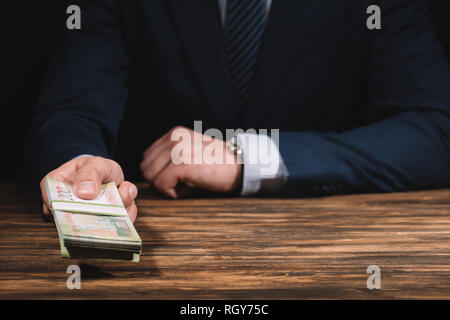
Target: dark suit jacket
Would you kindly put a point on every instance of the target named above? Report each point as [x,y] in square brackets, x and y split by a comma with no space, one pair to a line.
[358,110]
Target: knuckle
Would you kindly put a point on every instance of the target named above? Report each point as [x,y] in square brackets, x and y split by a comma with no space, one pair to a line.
[177,128]
[95,159]
[159,183]
[115,167]
[151,173]
[177,131]
[126,184]
[113,163]
[87,172]
[110,165]
[173,143]
[99,162]
[148,175]
[92,162]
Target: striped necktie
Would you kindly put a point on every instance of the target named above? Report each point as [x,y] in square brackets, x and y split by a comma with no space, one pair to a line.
[245,23]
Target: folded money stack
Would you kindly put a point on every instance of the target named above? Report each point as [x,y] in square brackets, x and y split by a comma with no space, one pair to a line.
[93,229]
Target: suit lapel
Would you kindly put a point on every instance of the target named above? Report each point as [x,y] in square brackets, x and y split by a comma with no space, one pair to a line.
[287,26]
[199,25]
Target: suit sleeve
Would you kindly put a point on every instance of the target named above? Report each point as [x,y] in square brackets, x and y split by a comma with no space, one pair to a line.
[84,95]
[407,145]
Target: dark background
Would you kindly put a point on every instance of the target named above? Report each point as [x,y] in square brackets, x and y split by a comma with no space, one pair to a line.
[30,33]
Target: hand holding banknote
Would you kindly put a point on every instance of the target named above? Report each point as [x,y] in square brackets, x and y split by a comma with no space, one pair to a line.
[92,229]
[87,174]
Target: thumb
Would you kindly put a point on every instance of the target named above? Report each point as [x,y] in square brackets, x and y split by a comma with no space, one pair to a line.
[92,174]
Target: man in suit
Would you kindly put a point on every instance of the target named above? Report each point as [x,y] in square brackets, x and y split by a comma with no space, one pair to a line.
[358,110]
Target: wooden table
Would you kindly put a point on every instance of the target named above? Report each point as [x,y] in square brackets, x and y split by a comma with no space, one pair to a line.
[243,249]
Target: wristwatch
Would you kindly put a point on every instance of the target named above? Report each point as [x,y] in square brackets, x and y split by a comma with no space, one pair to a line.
[235,147]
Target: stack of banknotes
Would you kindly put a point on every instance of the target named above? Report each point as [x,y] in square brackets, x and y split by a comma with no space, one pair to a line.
[93,229]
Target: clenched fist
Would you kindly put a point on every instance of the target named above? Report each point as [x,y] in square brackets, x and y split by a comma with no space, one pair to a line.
[173,167]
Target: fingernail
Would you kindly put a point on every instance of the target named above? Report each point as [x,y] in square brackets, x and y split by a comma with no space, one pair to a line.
[132,191]
[86,187]
[172,193]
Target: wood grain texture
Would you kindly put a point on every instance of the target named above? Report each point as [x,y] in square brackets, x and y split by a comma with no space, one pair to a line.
[243,249]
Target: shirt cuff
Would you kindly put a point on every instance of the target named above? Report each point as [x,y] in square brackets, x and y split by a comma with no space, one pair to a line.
[83,156]
[264,171]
